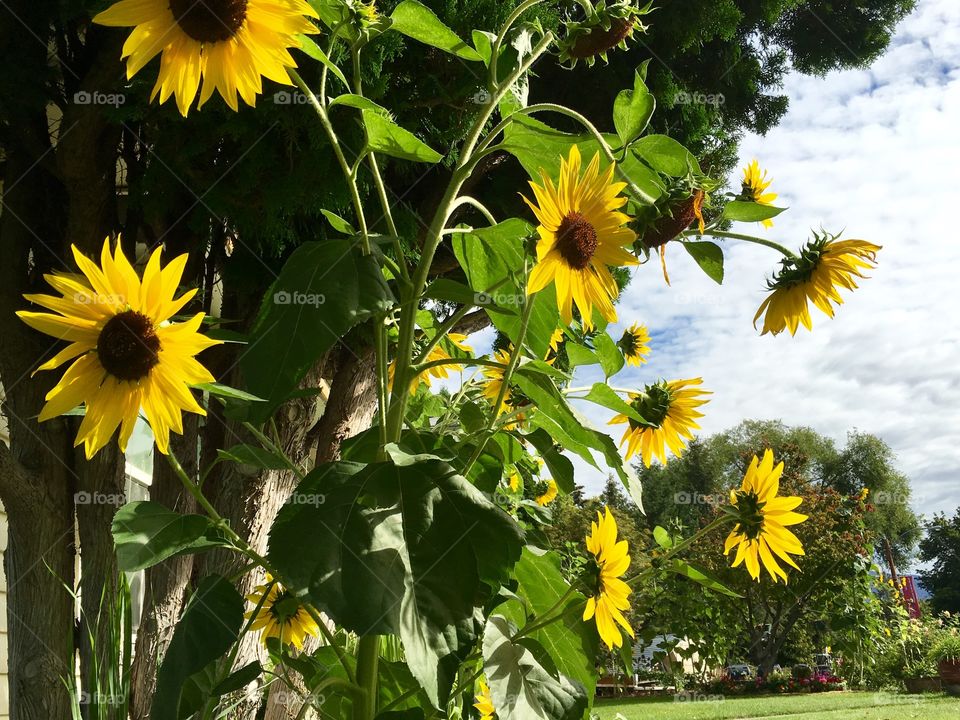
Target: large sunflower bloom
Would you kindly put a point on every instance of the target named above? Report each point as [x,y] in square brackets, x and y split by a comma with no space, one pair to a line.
[281,615]
[762,520]
[483,702]
[755,186]
[581,234]
[612,560]
[438,352]
[823,267]
[230,44]
[669,410]
[130,357]
[634,345]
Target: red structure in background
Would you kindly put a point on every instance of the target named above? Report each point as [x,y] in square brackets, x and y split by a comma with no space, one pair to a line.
[910,599]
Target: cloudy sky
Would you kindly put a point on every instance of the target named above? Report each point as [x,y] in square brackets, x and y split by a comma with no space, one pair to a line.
[874,153]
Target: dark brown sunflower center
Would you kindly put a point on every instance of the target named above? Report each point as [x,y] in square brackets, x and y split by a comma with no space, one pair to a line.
[209,20]
[599,40]
[576,240]
[128,346]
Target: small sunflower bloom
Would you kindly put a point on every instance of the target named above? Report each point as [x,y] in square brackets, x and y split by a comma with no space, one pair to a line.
[437,353]
[634,344]
[669,410]
[483,703]
[281,616]
[824,267]
[129,355]
[582,233]
[494,381]
[553,351]
[609,599]
[514,482]
[228,44]
[549,494]
[761,534]
[756,186]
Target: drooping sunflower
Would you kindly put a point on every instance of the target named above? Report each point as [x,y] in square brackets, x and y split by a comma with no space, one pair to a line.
[762,520]
[582,233]
[483,702]
[438,352]
[669,410]
[634,345]
[824,266]
[549,493]
[281,615]
[755,185]
[129,356]
[612,559]
[229,44]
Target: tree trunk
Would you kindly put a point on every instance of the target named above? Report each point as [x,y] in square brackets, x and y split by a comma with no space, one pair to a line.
[164,585]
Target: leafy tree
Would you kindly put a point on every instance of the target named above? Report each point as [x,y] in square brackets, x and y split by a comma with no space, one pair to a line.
[941,547]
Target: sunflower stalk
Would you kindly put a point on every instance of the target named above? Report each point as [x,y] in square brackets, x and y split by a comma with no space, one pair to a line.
[680,547]
[398,400]
[724,235]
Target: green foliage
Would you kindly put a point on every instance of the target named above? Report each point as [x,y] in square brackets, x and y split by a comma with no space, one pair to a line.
[146,533]
[941,547]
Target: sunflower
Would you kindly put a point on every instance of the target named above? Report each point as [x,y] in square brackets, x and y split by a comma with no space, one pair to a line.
[129,355]
[494,381]
[514,481]
[230,44]
[581,234]
[755,186]
[612,559]
[762,520]
[549,494]
[824,266]
[553,352]
[669,410]
[437,353]
[633,344]
[281,615]
[483,702]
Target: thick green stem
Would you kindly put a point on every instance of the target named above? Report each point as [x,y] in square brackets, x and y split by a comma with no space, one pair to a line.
[745,238]
[505,382]
[368,660]
[398,398]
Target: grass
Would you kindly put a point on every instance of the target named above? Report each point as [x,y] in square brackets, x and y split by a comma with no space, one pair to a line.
[820,706]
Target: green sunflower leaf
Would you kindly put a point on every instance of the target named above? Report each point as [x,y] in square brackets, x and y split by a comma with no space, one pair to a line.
[208,628]
[602,394]
[632,111]
[385,136]
[406,547]
[324,289]
[571,643]
[699,576]
[488,256]
[520,684]
[311,48]
[709,257]
[611,357]
[666,155]
[419,22]
[559,465]
[744,211]
[146,533]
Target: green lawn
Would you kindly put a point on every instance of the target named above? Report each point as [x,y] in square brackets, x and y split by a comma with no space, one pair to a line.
[828,706]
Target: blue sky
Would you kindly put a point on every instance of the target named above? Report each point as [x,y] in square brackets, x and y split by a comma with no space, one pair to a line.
[874,153]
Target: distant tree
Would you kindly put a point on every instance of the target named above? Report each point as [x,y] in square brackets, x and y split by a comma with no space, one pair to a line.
[867,462]
[941,547]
